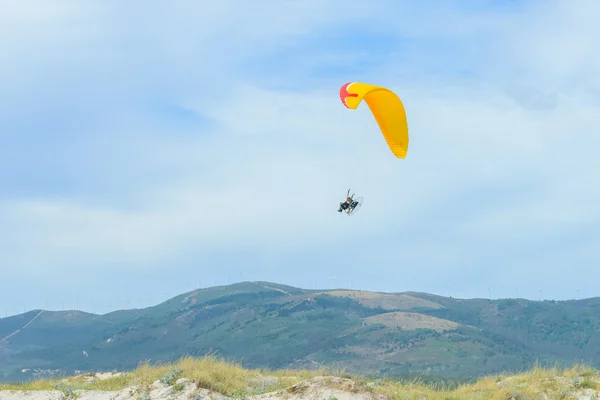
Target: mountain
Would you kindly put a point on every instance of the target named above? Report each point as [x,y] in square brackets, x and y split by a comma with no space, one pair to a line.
[262,324]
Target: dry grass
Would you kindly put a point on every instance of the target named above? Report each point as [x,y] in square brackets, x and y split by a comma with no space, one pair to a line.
[554,383]
[232,380]
[42,384]
[384,300]
[410,321]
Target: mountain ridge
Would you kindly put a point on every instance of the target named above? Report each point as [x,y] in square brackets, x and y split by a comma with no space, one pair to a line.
[265,324]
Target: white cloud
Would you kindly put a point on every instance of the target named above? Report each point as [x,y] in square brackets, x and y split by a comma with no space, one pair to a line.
[269,168]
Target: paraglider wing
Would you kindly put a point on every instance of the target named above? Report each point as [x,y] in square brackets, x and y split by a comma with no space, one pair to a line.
[387,109]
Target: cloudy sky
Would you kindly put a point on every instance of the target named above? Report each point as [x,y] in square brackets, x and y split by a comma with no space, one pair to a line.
[149,148]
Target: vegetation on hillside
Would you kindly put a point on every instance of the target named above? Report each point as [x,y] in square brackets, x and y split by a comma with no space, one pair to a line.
[265,325]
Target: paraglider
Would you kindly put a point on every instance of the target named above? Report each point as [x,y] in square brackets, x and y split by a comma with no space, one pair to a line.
[387,109]
[350,205]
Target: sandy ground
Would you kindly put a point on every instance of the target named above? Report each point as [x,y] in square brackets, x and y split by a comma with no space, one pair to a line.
[319,388]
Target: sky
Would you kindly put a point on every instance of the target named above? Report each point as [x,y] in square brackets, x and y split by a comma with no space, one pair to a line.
[151,148]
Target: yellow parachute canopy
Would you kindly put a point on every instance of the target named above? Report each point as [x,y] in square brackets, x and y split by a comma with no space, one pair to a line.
[387,109]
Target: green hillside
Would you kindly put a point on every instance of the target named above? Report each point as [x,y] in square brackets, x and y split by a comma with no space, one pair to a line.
[261,324]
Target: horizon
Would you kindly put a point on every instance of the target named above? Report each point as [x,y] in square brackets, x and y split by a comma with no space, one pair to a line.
[324,290]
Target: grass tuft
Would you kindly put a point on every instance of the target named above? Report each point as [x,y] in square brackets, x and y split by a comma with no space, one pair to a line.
[231,379]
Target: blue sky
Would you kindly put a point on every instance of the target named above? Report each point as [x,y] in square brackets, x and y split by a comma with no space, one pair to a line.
[151,148]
